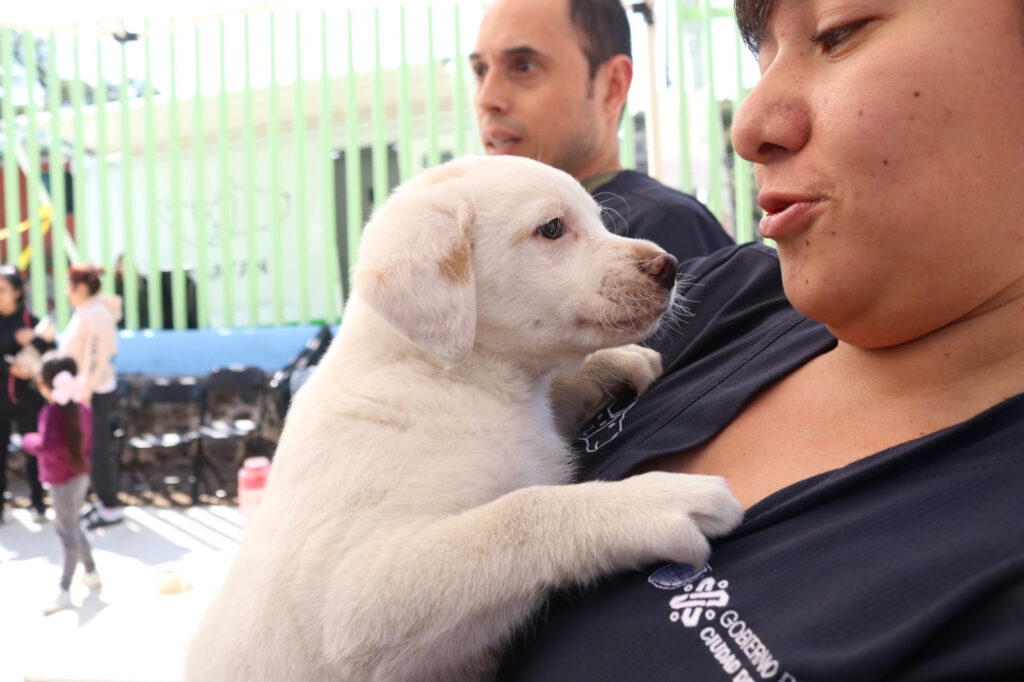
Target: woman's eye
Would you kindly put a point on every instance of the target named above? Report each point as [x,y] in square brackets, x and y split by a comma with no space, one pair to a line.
[833,38]
[552,229]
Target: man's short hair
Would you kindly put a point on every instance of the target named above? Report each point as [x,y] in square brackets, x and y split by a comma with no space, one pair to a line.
[604,28]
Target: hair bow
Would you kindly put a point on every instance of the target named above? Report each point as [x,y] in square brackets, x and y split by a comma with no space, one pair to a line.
[67,388]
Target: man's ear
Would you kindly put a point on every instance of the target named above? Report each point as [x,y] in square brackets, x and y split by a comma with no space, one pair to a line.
[615,76]
[415,268]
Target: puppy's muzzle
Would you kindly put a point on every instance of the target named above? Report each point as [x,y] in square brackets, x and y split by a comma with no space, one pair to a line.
[662,269]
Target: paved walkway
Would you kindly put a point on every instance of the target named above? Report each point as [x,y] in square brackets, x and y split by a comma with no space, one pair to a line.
[128,629]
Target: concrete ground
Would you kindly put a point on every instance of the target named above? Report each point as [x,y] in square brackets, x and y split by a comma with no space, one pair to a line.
[128,629]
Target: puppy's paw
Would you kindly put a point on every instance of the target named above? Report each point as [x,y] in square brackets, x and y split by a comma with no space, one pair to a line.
[687,509]
[624,367]
[606,374]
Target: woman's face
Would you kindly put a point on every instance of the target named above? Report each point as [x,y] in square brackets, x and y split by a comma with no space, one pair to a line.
[77,293]
[9,297]
[889,153]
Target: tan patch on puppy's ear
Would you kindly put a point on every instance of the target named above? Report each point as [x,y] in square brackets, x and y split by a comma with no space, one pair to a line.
[456,267]
[415,268]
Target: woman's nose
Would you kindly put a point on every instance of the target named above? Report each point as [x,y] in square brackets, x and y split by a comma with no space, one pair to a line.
[774,119]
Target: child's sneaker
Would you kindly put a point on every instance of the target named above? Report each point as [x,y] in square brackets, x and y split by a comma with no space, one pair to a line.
[91,579]
[62,602]
[39,516]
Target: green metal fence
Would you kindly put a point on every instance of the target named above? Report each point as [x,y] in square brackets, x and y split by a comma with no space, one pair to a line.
[221,169]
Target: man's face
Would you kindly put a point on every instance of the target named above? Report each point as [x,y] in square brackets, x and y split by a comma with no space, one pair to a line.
[534,94]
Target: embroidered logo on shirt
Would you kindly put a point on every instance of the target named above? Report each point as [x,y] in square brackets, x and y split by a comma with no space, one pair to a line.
[702,609]
[605,426]
[676,576]
[697,601]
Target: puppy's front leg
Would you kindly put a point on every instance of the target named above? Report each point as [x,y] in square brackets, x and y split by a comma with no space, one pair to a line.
[606,373]
[448,591]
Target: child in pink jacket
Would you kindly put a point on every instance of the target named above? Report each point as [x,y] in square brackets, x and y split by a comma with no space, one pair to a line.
[63,446]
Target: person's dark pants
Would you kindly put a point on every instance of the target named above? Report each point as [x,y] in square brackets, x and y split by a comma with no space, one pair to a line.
[104,467]
[25,414]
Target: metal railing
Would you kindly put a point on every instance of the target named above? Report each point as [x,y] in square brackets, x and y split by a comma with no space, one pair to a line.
[221,170]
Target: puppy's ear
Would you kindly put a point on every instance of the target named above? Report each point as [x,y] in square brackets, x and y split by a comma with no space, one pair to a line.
[415,269]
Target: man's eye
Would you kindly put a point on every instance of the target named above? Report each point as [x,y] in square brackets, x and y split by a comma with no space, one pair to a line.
[523,66]
[833,38]
[552,229]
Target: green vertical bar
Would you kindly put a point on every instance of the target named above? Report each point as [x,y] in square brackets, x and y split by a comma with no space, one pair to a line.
[154,289]
[353,160]
[685,169]
[226,233]
[331,273]
[250,186]
[58,224]
[12,199]
[101,164]
[714,114]
[37,270]
[460,89]
[406,163]
[301,211]
[379,147]
[199,145]
[78,168]
[131,288]
[742,170]
[627,142]
[433,143]
[178,311]
[277,229]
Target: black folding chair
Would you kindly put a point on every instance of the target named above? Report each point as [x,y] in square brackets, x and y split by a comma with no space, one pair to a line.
[167,420]
[234,408]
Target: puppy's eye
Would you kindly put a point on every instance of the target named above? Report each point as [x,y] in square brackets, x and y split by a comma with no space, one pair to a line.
[552,229]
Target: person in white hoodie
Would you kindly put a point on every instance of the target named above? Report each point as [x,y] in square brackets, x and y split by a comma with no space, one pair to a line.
[91,339]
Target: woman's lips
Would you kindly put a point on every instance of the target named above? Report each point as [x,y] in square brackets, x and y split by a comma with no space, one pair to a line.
[784,217]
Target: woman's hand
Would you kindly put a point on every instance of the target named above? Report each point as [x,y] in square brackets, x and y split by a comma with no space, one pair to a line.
[24,336]
[20,371]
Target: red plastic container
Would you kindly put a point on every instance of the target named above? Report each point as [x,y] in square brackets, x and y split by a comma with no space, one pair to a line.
[252,479]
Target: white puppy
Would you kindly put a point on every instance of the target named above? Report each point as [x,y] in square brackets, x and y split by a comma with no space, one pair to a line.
[417,511]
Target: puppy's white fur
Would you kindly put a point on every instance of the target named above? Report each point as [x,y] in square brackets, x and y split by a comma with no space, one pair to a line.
[417,510]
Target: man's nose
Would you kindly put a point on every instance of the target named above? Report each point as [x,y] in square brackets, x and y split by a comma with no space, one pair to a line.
[491,94]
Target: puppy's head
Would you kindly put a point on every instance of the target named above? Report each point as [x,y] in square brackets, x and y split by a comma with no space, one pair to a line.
[509,255]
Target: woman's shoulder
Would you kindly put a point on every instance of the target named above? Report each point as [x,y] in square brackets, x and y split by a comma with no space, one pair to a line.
[734,262]
[722,298]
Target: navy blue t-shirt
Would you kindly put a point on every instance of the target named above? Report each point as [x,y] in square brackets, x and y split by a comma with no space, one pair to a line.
[906,565]
[640,207]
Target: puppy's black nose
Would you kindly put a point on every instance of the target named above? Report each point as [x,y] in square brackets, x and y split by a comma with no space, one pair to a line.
[663,269]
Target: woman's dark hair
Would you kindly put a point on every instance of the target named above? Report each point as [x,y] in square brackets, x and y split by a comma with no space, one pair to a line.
[10,273]
[604,27]
[54,364]
[86,274]
[752,19]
